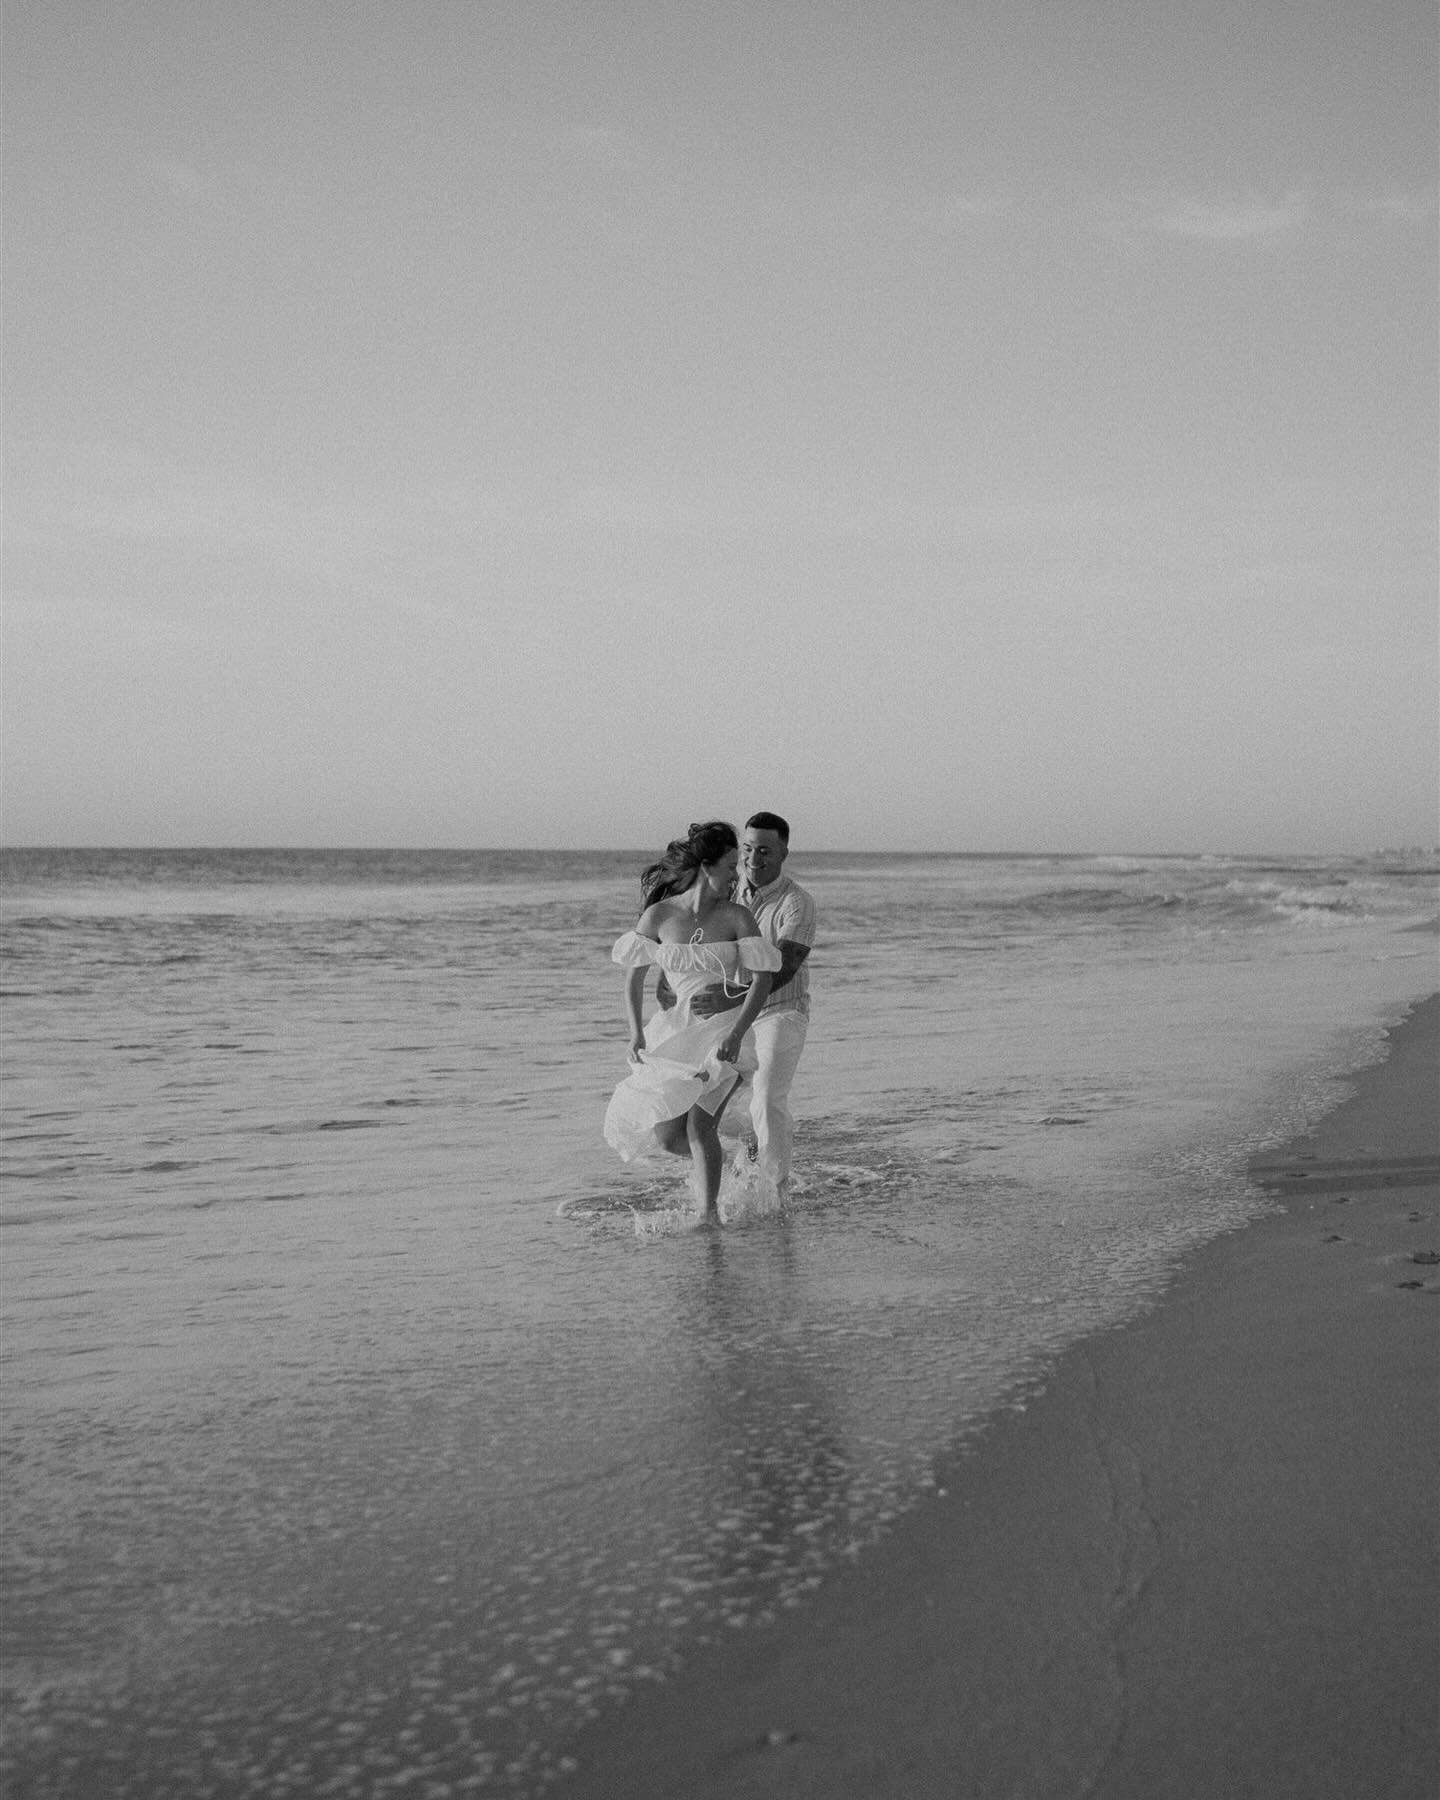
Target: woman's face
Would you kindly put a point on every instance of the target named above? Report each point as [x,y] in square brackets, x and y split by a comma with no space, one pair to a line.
[720,875]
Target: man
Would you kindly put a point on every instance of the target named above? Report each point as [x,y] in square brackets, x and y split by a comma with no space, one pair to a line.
[785,914]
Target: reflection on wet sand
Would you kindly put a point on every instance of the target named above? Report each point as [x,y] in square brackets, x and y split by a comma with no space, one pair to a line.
[770,1426]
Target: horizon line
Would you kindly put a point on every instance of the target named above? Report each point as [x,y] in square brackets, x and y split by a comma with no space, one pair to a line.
[358,849]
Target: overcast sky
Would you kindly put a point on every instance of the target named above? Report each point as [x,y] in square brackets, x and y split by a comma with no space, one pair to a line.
[962,426]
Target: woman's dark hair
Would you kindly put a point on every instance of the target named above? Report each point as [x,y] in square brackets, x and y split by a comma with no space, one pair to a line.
[683,859]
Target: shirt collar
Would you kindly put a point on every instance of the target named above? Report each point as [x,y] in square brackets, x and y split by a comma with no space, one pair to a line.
[770,887]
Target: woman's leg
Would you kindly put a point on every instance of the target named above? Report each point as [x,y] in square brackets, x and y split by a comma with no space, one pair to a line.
[703,1129]
[673,1135]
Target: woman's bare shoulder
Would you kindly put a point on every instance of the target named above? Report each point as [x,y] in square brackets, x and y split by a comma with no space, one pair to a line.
[648,924]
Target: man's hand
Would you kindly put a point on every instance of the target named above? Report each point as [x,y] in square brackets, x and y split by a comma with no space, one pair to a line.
[712,1001]
[706,1004]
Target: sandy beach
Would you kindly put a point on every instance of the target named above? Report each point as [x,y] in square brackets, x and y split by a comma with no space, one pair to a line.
[1199,1561]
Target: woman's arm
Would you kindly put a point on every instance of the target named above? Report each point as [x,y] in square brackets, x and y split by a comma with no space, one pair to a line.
[634,996]
[729,1046]
[646,926]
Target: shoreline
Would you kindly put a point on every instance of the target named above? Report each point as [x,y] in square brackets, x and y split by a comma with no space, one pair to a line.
[1198,1560]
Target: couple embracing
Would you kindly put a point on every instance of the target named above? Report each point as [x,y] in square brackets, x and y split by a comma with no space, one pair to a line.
[729,932]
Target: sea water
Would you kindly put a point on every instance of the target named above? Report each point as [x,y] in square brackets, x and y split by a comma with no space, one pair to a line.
[368,1428]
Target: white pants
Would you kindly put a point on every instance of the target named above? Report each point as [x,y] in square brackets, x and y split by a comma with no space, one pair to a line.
[779,1037]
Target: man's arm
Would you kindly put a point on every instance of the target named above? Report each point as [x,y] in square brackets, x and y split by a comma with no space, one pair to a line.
[791,957]
[710,1001]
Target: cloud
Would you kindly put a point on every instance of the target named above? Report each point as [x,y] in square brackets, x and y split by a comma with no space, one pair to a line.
[1254,218]
[941,213]
[1401,206]
[1230,220]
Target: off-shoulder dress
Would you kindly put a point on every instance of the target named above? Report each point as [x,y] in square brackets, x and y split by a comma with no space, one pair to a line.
[679,1068]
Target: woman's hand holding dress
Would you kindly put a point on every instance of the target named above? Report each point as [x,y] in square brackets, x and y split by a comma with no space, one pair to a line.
[729,1046]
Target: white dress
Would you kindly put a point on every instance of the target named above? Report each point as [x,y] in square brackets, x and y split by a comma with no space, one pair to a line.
[680,1068]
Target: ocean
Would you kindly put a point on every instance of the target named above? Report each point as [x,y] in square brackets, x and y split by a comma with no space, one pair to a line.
[369,1428]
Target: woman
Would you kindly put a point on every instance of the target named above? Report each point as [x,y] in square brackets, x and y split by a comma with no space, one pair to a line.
[683,1068]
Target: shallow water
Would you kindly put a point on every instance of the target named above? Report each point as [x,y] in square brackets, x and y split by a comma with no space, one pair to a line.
[368,1426]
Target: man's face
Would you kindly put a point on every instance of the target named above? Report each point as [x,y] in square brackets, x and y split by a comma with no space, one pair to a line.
[761,856]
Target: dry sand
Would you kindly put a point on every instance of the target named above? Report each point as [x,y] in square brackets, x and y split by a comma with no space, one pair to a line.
[1200,1563]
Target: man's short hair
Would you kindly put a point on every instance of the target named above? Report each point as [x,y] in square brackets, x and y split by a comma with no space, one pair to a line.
[765,821]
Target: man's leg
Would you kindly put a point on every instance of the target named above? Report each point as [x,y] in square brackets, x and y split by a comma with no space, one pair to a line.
[779,1039]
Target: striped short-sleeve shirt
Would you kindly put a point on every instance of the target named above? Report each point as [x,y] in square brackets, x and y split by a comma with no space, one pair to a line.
[784,910]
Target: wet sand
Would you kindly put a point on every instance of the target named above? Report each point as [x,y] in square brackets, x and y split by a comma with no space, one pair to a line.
[1199,1563]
